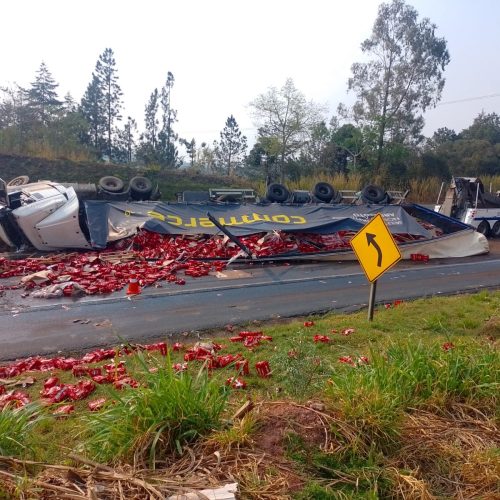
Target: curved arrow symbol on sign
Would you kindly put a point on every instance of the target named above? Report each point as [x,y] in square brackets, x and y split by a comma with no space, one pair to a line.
[370,238]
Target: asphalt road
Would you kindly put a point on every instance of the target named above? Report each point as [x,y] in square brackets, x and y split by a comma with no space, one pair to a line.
[37,326]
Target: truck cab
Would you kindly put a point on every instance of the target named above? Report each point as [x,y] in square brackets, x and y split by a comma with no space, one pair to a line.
[43,214]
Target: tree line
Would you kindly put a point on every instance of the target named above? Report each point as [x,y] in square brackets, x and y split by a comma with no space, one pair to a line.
[401,76]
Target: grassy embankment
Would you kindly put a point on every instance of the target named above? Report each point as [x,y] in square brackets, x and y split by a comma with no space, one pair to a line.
[171,182]
[405,406]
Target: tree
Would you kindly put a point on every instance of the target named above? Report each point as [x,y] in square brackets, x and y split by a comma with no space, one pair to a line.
[231,149]
[403,77]
[205,160]
[167,136]
[107,77]
[287,118]
[470,157]
[259,164]
[43,96]
[441,136]
[69,104]
[125,142]
[149,148]
[485,127]
[190,150]
[17,119]
[351,143]
[91,107]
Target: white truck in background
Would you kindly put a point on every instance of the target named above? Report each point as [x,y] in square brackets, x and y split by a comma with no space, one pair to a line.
[466,200]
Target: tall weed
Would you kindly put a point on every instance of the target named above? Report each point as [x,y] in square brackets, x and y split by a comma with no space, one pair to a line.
[159,417]
[375,396]
[301,370]
[16,429]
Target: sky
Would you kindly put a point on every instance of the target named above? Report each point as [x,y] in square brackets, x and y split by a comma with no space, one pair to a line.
[224,53]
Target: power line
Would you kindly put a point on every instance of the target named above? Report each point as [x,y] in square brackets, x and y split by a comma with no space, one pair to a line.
[467,99]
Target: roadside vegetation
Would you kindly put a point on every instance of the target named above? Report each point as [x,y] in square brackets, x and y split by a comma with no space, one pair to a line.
[405,406]
[171,182]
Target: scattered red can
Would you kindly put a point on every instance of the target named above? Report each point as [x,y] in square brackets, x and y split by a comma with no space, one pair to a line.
[263,369]
[236,383]
[321,338]
[96,404]
[242,366]
[64,410]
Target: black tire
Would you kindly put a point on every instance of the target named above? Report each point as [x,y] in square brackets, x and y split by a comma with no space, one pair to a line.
[277,193]
[484,228]
[301,197]
[111,184]
[156,194]
[140,188]
[21,180]
[109,196]
[324,192]
[373,194]
[495,230]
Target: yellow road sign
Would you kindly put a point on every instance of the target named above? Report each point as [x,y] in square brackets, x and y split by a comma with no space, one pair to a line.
[375,248]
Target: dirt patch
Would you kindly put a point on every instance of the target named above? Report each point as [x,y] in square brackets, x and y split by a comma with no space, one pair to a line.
[281,418]
[491,329]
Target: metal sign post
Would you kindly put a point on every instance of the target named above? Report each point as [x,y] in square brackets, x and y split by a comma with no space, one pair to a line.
[371,300]
[376,251]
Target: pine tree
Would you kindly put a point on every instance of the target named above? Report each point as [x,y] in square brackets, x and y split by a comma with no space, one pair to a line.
[190,150]
[42,95]
[101,104]
[167,136]
[91,107]
[105,71]
[148,149]
[232,146]
[69,104]
[125,142]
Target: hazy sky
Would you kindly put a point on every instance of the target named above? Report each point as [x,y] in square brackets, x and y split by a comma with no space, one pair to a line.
[224,53]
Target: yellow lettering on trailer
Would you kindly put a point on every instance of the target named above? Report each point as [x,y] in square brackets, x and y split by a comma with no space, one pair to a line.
[283,219]
[193,222]
[205,222]
[156,215]
[177,221]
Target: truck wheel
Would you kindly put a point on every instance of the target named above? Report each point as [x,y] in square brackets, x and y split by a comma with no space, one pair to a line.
[140,188]
[373,194]
[495,232]
[484,228]
[324,192]
[19,181]
[111,184]
[277,193]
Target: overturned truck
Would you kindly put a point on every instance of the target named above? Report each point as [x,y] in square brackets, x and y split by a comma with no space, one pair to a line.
[465,199]
[51,216]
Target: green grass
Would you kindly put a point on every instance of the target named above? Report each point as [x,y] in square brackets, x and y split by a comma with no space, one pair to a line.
[16,425]
[408,372]
[166,412]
